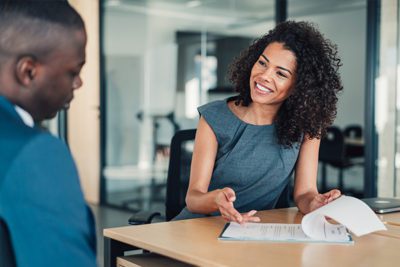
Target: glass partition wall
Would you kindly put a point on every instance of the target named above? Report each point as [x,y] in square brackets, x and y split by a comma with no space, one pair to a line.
[368,36]
[162,59]
[345,24]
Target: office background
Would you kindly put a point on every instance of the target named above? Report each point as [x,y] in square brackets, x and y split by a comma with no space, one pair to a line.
[151,63]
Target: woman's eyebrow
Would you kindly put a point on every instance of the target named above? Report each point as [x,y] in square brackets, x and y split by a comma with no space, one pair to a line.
[279,67]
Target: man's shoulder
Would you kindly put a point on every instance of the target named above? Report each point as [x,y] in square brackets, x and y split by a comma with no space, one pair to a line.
[17,139]
[13,127]
[44,145]
[15,136]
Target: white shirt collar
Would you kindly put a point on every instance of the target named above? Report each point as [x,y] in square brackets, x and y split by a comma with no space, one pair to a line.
[25,116]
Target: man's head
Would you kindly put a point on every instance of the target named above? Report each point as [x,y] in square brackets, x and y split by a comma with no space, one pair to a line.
[42,50]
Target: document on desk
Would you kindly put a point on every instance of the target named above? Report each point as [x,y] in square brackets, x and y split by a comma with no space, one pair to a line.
[348,212]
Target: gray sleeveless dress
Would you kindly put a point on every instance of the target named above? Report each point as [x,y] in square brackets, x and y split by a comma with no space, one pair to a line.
[249,160]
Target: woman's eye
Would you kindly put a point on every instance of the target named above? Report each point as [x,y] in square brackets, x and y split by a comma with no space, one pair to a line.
[281,74]
[262,63]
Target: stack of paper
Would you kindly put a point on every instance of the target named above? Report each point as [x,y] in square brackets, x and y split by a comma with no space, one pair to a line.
[349,212]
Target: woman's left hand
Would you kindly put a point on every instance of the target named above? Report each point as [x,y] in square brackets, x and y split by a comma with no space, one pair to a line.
[323,199]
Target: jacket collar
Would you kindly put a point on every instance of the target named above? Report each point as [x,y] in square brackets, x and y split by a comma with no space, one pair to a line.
[9,108]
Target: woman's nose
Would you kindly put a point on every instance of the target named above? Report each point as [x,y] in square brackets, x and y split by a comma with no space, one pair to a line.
[267,74]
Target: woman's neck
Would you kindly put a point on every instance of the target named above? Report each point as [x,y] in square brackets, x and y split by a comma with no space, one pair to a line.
[256,114]
[261,114]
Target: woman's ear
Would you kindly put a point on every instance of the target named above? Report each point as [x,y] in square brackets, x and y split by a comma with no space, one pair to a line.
[25,70]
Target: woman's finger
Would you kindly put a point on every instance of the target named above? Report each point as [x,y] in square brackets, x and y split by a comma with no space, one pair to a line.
[251,219]
[226,218]
[231,213]
[234,215]
[229,194]
[332,195]
[320,198]
[336,193]
[251,213]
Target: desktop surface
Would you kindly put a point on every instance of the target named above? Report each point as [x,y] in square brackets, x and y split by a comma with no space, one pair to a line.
[196,242]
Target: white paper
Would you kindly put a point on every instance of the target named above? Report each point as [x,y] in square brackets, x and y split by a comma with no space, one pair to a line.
[282,232]
[347,211]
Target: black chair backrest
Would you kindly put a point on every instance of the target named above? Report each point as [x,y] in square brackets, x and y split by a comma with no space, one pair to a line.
[353,131]
[284,200]
[332,149]
[178,172]
[7,257]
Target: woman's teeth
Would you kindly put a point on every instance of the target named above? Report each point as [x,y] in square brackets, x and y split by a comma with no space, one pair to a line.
[264,89]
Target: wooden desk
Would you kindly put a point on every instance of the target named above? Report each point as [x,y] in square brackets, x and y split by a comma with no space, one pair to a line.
[195,242]
[392,222]
[391,218]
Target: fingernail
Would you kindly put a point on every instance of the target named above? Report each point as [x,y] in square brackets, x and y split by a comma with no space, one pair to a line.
[252,212]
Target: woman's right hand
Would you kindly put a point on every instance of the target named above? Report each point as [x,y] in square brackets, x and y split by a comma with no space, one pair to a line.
[224,200]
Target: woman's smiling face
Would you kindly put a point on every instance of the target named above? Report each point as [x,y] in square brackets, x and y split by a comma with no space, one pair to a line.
[273,76]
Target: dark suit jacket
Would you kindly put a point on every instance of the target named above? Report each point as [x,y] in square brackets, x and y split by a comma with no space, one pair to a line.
[40,197]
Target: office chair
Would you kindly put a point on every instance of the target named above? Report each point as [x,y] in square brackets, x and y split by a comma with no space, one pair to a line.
[7,257]
[354,132]
[332,151]
[178,172]
[177,179]
[285,200]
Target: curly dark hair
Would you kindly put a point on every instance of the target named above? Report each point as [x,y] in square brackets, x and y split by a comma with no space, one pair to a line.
[311,107]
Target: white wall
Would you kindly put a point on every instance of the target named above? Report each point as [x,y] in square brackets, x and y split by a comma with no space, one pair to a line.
[83,116]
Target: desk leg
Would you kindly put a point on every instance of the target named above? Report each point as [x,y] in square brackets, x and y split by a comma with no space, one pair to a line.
[114,249]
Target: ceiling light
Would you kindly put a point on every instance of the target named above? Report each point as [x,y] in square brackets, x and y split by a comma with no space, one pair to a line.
[113,2]
[193,3]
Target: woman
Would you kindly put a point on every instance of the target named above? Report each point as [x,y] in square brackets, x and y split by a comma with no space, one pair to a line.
[247,147]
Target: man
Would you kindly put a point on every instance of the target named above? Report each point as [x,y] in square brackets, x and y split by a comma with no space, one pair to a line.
[42,50]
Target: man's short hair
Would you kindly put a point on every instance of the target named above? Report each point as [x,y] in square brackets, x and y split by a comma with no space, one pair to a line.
[53,11]
[29,26]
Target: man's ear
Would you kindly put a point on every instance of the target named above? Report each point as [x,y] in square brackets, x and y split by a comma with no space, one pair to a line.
[26,70]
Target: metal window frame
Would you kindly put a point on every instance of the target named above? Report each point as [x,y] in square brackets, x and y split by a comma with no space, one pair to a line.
[372,66]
